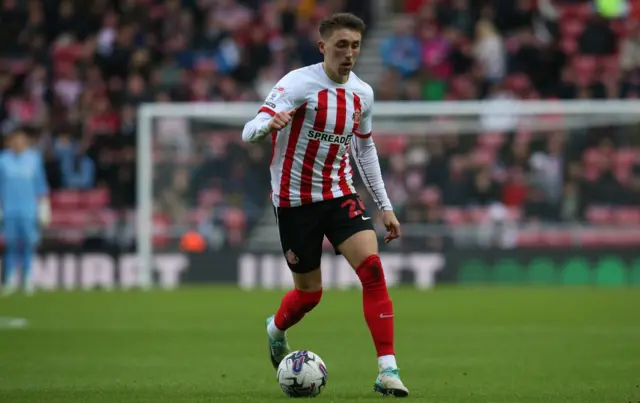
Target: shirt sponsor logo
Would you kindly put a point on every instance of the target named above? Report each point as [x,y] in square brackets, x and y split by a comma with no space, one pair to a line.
[330,137]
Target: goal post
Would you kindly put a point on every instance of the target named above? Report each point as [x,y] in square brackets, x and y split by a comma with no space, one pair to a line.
[390,119]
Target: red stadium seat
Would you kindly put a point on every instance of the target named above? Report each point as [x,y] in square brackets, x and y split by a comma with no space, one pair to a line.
[629,216]
[592,238]
[529,239]
[572,29]
[618,237]
[619,27]
[65,199]
[599,215]
[571,11]
[161,230]
[514,213]
[569,46]
[60,218]
[454,215]
[622,238]
[558,238]
[96,198]
[78,218]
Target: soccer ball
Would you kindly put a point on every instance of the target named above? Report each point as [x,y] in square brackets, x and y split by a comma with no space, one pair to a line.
[302,374]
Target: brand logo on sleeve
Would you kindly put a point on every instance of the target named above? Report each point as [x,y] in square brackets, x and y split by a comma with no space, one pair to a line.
[275,93]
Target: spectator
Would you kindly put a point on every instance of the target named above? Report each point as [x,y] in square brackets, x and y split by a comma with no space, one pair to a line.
[458,16]
[514,192]
[64,147]
[437,167]
[78,72]
[436,49]
[630,49]
[597,38]
[489,51]
[547,169]
[78,171]
[612,9]
[401,51]
[484,190]
[52,169]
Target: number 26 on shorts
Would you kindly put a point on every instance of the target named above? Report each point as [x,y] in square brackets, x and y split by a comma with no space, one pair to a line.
[356,207]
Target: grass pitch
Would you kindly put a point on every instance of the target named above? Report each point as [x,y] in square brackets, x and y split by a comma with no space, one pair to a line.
[484,345]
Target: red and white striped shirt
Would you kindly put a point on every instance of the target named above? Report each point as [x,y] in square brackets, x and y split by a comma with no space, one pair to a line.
[310,157]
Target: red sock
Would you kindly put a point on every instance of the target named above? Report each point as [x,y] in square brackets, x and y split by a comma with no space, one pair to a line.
[378,309]
[295,304]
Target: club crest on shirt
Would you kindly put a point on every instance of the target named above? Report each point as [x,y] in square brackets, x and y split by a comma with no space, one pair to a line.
[356,116]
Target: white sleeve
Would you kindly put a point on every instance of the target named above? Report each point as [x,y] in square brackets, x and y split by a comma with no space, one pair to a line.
[256,129]
[287,94]
[366,158]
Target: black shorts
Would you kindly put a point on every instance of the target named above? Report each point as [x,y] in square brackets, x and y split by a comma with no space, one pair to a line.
[303,228]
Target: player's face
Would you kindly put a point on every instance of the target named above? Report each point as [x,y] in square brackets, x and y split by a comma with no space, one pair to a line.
[341,50]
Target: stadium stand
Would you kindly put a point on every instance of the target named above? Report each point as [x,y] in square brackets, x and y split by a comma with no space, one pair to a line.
[79,69]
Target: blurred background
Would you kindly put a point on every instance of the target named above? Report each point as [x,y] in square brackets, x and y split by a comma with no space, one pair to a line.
[492,200]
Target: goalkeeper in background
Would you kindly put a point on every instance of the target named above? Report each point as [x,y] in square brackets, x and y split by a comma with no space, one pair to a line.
[24,208]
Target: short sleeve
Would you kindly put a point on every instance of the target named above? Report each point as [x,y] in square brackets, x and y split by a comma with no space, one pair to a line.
[365,127]
[286,95]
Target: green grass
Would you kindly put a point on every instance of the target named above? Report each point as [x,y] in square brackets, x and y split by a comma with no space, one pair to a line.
[462,345]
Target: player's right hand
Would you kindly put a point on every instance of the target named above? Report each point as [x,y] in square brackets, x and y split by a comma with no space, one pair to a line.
[281,119]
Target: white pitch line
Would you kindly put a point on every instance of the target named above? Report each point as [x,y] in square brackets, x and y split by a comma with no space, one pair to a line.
[13,323]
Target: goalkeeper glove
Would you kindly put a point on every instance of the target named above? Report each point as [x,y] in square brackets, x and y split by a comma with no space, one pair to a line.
[44,212]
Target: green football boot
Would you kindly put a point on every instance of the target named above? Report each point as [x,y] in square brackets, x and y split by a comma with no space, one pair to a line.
[389,383]
[278,349]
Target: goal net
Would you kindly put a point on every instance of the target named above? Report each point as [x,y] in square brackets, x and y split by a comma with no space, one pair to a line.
[501,173]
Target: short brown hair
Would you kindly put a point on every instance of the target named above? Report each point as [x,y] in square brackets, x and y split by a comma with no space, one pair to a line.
[339,21]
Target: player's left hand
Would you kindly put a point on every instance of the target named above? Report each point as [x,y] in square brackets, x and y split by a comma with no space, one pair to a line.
[44,212]
[392,225]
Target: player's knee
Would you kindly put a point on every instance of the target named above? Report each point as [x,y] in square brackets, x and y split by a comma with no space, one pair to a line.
[358,247]
[308,282]
[370,271]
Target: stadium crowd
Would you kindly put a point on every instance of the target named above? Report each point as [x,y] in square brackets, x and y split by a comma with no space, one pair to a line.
[75,71]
